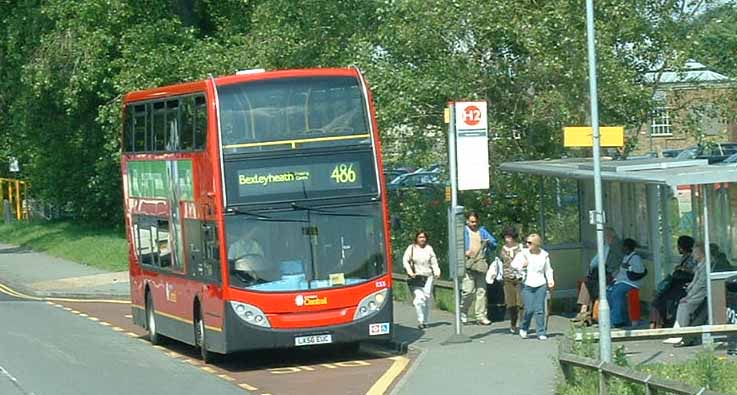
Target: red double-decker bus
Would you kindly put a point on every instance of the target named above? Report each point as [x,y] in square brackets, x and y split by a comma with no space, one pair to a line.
[255,211]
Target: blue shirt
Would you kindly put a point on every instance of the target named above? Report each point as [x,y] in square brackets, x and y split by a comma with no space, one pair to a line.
[485,236]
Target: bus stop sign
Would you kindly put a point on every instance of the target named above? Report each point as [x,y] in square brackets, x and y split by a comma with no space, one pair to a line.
[472,145]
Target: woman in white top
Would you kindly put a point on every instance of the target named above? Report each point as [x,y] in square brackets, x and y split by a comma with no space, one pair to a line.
[421,266]
[536,262]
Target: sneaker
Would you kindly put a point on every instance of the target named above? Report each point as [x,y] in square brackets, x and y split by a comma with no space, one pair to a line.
[513,331]
[464,318]
[484,322]
[542,337]
[523,333]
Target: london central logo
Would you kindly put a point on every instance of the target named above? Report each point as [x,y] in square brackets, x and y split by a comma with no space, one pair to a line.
[310,300]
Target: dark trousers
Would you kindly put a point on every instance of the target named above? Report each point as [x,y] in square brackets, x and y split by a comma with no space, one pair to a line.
[495,301]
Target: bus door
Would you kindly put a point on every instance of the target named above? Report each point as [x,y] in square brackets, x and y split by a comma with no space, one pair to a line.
[183,295]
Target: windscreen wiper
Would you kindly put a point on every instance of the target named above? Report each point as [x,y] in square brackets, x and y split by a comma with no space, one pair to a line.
[239,211]
[296,206]
[264,218]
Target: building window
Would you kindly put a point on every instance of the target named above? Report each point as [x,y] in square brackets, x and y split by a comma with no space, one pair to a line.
[660,123]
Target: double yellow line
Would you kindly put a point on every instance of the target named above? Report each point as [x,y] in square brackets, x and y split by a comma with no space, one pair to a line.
[11,292]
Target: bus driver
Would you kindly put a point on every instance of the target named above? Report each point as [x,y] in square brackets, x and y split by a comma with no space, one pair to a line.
[247,258]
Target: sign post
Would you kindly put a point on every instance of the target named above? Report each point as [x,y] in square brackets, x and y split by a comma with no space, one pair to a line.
[605,339]
[467,134]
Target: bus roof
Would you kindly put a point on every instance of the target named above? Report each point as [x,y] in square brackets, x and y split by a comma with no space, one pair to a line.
[200,86]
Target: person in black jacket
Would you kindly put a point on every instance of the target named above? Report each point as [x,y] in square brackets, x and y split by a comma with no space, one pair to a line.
[672,288]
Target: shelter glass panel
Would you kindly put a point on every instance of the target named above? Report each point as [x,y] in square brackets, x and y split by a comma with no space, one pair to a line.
[561,211]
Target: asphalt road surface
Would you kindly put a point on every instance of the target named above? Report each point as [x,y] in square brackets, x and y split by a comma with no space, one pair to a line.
[71,347]
[47,350]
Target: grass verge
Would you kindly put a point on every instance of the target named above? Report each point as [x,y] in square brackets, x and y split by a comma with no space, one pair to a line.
[102,248]
[705,369]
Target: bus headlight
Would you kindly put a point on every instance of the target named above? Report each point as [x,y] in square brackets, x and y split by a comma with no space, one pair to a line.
[371,304]
[250,314]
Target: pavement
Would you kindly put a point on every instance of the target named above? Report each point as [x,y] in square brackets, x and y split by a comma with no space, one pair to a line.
[42,275]
[494,359]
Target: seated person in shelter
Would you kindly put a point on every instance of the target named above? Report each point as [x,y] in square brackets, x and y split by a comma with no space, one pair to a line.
[247,259]
[628,277]
[589,290]
[695,293]
[671,289]
[719,261]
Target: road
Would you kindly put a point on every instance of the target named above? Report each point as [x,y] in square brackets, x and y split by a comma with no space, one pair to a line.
[47,350]
[71,347]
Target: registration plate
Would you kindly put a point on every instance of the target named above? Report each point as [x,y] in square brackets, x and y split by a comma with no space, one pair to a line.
[314,339]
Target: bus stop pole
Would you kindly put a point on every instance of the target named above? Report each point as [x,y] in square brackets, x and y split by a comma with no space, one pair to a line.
[706,337]
[605,340]
[452,254]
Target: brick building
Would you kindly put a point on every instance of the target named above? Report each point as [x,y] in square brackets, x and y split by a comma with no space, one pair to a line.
[691,103]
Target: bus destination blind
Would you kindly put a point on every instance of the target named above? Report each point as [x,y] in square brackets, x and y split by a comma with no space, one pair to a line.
[299,179]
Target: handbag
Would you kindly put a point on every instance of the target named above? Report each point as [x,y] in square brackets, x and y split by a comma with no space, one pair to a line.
[417,281]
[634,276]
[495,272]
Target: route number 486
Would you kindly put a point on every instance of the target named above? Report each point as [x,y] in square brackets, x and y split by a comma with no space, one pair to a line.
[343,173]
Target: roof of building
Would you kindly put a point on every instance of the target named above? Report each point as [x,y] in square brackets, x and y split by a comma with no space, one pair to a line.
[692,73]
[657,171]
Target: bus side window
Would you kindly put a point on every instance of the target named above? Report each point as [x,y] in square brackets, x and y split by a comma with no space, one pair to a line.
[186,125]
[159,127]
[139,128]
[212,251]
[172,125]
[163,250]
[200,125]
[126,144]
[144,241]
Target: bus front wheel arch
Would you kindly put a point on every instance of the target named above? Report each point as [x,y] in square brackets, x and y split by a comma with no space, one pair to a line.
[200,334]
[153,334]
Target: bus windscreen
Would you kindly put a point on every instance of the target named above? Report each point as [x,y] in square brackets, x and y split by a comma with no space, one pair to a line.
[292,113]
[305,248]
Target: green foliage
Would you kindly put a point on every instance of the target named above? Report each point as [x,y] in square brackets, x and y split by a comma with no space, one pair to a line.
[97,247]
[704,369]
[66,65]
[420,211]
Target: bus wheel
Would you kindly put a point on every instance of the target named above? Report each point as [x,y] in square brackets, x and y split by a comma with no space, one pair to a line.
[153,335]
[201,338]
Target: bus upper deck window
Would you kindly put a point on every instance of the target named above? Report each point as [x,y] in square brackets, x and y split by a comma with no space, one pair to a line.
[139,127]
[200,127]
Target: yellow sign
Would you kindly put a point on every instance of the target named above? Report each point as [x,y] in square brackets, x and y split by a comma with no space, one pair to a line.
[583,136]
[446,115]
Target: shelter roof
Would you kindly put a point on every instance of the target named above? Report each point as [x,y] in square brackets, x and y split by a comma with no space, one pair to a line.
[665,171]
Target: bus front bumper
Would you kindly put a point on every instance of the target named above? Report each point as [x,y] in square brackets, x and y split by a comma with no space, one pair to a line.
[240,336]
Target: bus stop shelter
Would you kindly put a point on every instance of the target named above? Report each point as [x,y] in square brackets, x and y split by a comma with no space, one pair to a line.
[647,199]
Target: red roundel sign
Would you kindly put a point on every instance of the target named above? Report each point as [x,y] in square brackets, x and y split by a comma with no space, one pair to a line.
[471,115]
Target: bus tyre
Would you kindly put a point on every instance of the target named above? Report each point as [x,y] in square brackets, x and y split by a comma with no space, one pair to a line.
[153,335]
[201,338]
